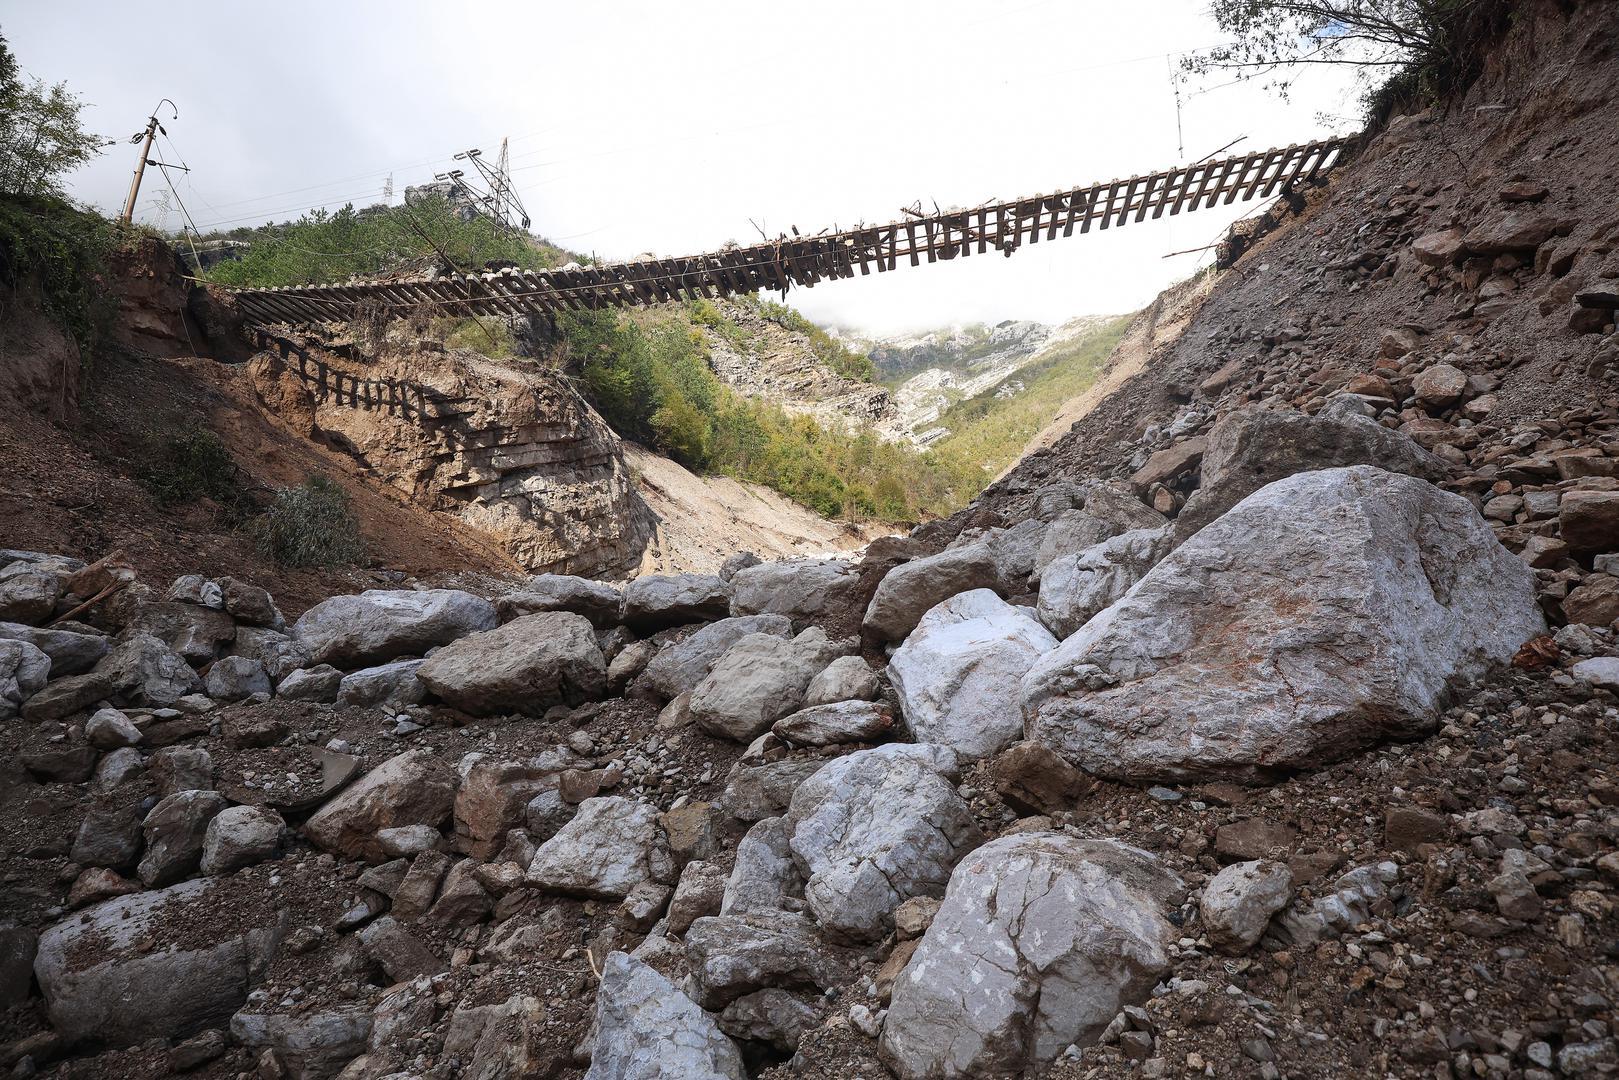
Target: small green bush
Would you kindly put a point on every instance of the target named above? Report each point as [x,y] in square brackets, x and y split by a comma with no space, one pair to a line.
[311,525]
[180,469]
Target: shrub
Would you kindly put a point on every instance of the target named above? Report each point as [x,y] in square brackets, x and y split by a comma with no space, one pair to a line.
[50,245]
[180,469]
[311,525]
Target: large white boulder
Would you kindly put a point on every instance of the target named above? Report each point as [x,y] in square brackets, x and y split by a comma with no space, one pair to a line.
[875,828]
[1040,940]
[646,1029]
[955,672]
[525,666]
[1325,612]
[380,624]
[800,589]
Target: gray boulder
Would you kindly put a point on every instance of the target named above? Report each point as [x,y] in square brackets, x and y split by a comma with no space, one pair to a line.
[72,652]
[678,668]
[646,1029]
[1326,612]
[394,685]
[319,683]
[1239,901]
[953,673]
[612,845]
[232,678]
[848,678]
[764,876]
[197,633]
[732,955]
[413,788]
[240,836]
[1041,939]
[110,729]
[153,964]
[1075,587]
[595,600]
[525,666]
[912,589]
[176,829]
[144,671]
[839,722]
[758,681]
[801,589]
[379,625]
[28,595]
[278,652]
[874,829]
[312,1045]
[1256,446]
[24,670]
[658,601]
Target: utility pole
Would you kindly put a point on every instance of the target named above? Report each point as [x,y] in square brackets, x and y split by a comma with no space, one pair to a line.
[145,139]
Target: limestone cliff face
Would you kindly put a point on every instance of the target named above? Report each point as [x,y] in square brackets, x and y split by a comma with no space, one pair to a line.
[518,456]
[778,365]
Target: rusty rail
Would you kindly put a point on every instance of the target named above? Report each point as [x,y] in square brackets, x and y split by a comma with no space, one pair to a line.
[808,260]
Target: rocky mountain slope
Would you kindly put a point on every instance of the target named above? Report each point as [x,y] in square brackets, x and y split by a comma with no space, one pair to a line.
[931,371]
[1262,725]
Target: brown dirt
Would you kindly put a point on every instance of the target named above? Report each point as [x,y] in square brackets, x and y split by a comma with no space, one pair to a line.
[88,502]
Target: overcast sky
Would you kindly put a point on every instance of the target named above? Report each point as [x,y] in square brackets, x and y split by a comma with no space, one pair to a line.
[664,127]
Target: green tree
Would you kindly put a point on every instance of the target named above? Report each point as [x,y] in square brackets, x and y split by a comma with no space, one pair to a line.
[1405,48]
[41,136]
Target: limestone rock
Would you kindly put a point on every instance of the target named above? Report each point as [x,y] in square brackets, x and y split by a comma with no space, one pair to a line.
[701,892]
[839,722]
[1441,248]
[732,955]
[278,652]
[758,681]
[876,828]
[1513,230]
[110,729]
[27,595]
[661,600]
[953,672]
[311,1045]
[912,589]
[240,836]
[1074,588]
[764,876]
[319,683]
[646,1029]
[678,668]
[378,625]
[1325,612]
[1239,901]
[1040,940]
[395,685]
[1439,386]
[595,600]
[1256,446]
[1589,521]
[72,652]
[232,678]
[145,671]
[24,671]
[848,678]
[774,1017]
[800,589]
[197,633]
[611,845]
[526,666]
[413,788]
[152,964]
[176,831]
